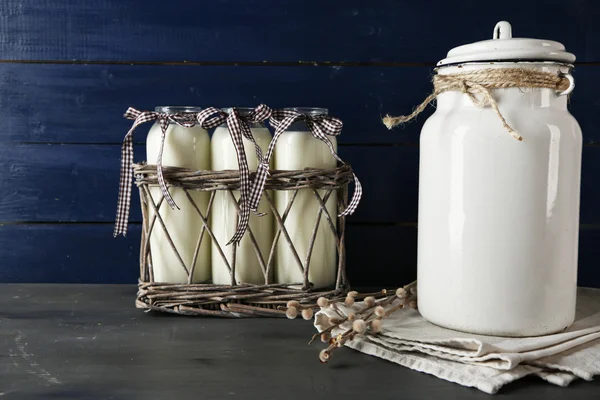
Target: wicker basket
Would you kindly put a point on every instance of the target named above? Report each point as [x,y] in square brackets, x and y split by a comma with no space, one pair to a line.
[240,300]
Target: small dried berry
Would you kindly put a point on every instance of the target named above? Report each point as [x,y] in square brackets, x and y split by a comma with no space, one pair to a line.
[293,303]
[324,356]
[307,313]
[322,302]
[359,326]
[291,312]
[376,326]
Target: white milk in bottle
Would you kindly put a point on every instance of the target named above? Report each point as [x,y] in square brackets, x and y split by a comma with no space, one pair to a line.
[297,149]
[223,217]
[186,148]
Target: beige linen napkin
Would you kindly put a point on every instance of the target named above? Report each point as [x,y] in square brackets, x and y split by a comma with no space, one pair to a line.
[486,362]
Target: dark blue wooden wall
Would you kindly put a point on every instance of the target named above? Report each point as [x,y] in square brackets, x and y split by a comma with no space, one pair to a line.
[70,68]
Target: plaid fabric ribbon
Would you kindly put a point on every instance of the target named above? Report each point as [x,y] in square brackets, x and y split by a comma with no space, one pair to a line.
[320,127]
[140,117]
[239,128]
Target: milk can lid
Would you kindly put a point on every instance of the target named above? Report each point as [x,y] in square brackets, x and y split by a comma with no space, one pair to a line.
[503,47]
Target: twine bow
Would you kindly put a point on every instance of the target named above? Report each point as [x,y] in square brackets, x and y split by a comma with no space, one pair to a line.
[238,126]
[124,202]
[320,127]
[478,85]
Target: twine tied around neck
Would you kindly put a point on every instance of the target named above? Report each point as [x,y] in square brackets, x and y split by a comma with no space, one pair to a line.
[478,85]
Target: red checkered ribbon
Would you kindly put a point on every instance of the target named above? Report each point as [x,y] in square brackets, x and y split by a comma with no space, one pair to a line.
[320,126]
[239,127]
[124,203]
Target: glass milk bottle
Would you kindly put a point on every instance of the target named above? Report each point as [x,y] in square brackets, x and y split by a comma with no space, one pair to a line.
[186,148]
[224,215]
[297,149]
[499,217]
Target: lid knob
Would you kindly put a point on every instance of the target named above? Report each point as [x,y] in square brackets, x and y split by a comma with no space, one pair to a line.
[503,30]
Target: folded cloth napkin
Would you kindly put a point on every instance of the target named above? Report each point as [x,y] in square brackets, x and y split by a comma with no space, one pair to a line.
[484,362]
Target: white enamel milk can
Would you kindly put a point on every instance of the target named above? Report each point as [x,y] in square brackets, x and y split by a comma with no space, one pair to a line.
[499,183]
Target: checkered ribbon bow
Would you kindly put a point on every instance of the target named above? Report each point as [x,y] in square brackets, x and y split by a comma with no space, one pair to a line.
[238,127]
[140,117]
[320,126]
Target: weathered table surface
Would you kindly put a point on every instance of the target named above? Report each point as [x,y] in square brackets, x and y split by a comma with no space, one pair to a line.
[89,342]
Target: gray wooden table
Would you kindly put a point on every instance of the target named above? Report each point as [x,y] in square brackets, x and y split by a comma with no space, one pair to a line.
[89,342]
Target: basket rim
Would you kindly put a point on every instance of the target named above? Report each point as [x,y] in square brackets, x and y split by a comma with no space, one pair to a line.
[144,167]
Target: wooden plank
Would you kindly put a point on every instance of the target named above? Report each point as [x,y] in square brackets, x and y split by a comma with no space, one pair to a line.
[589,254]
[585,110]
[85,103]
[60,183]
[87,253]
[590,186]
[381,256]
[79,183]
[389,177]
[89,342]
[272,30]
[68,253]
[387,255]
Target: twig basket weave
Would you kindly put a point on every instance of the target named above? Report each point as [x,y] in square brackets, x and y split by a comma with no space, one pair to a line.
[240,299]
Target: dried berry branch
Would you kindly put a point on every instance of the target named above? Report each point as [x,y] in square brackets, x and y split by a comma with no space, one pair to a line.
[365,321]
[369,300]
[294,308]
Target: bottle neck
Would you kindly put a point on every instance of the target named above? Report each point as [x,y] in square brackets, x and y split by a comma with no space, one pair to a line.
[177,109]
[309,111]
[300,126]
[252,125]
[243,112]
